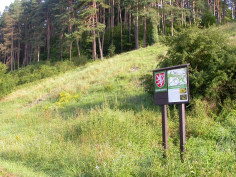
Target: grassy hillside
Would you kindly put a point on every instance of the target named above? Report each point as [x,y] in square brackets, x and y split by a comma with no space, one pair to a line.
[97,120]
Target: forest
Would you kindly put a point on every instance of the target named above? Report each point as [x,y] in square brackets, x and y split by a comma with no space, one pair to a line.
[59,30]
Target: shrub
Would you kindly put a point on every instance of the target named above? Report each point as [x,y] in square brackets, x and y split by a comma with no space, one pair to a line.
[7,81]
[65,98]
[212,62]
[111,50]
[31,73]
[208,19]
[147,82]
[82,60]
[2,69]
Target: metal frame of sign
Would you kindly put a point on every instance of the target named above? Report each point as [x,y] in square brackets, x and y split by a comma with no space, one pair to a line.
[162,94]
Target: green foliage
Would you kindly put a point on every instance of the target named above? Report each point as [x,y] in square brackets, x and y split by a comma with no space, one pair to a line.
[147,81]
[108,88]
[212,62]
[65,98]
[7,81]
[33,72]
[2,69]
[37,71]
[208,19]
[82,60]
[111,50]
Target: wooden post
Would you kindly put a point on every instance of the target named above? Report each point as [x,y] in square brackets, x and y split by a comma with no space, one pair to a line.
[182,130]
[164,126]
[165,94]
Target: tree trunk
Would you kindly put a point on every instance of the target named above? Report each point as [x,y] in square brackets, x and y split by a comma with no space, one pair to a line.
[194,17]
[61,36]
[25,55]
[218,11]
[163,19]
[70,49]
[136,29]
[31,52]
[163,24]
[94,54]
[224,10]
[112,18]
[14,61]
[18,50]
[100,47]
[77,43]
[214,7]
[232,10]
[118,16]
[130,16]
[5,58]
[38,53]
[25,50]
[109,19]
[126,18]
[61,54]
[183,20]
[172,19]
[104,23]
[12,41]
[121,30]
[48,36]
[144,30]
[190,22]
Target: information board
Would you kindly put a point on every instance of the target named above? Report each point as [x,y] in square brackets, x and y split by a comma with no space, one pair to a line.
[171,85]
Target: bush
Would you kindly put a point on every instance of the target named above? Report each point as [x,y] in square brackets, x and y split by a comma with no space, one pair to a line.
[147,82]
[31,73]
[43,69]
[212,62]
[208,19]
[111,50]
[7,81]
[82,60]
[65,98]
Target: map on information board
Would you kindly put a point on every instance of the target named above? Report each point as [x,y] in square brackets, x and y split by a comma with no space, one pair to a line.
[177,85]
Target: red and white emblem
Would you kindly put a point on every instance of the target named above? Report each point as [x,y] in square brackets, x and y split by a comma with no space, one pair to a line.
[160,79]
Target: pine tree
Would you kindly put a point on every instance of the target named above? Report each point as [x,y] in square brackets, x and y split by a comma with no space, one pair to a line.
[8,36]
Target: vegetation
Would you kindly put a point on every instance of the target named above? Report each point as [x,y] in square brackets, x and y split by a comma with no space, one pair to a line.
[98,120]
[34,72]
[212,62]
[56,30]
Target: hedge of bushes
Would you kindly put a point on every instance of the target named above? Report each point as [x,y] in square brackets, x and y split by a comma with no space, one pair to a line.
[34,72]
[212,62]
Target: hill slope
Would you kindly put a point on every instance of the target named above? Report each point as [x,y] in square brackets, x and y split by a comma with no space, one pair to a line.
[97,120]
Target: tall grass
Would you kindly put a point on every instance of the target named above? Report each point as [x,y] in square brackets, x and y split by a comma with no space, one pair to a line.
[97,120]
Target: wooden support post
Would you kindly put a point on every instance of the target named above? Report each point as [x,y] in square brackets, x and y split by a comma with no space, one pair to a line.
[182,130]
[164,126]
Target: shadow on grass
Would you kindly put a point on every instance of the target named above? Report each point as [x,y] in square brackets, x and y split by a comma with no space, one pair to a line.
[135,103]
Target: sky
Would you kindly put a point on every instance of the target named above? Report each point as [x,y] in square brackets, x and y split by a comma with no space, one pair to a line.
[4,3]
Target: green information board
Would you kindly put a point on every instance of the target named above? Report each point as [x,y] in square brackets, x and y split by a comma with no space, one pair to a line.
[171,85]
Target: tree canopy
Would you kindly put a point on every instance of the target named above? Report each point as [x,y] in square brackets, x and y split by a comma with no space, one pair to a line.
[34,30]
